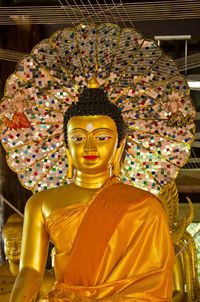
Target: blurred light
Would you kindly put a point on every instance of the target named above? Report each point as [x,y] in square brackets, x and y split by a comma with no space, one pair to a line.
[194,84]
[177,37]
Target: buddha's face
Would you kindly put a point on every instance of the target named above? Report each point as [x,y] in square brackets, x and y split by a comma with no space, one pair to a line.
[92,142]
[12,237]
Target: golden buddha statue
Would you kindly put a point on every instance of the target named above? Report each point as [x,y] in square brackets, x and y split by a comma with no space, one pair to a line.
[12,236]
[185,276]
[112,240]
[186,253]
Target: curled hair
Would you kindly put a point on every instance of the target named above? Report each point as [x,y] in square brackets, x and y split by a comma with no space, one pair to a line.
[94,101]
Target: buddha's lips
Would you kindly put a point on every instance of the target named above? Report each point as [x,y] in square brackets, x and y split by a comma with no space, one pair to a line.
[90,157]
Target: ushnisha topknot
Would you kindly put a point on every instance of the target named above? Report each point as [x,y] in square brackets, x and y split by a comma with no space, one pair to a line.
[12,221]
[94,101]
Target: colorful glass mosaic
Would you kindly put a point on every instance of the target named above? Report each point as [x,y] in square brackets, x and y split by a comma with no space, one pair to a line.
[143,81]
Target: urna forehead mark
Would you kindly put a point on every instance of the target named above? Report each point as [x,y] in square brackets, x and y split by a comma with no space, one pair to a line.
[89,127]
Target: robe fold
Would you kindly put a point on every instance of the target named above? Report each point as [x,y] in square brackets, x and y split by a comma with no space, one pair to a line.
[115,248]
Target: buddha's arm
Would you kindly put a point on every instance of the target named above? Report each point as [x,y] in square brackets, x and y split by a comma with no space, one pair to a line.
[178,283]
[33,253]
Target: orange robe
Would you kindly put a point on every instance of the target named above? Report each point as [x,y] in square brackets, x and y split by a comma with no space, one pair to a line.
[116,248]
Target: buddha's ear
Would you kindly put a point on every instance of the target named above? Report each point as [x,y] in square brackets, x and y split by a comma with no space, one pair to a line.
[70,164]
[117,159]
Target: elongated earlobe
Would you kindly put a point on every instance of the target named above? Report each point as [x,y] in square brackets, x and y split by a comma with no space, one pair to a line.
[70,165]
[117,160]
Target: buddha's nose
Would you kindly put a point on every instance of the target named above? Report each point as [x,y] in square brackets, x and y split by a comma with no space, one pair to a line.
[90,144]
[15,246]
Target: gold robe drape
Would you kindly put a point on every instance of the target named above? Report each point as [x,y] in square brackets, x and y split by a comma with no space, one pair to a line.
[116,248]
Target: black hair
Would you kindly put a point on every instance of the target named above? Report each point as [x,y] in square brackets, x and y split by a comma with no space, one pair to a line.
[94,101]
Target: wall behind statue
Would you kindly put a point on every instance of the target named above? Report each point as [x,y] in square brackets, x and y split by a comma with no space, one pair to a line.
[21,38]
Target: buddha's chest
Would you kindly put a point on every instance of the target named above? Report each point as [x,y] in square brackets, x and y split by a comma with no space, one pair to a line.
[63,224]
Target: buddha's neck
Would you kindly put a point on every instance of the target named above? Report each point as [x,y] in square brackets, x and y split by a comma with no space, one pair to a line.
[13,267]
[92,181]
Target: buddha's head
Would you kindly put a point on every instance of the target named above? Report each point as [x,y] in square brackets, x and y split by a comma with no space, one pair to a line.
[12,237]
[94,131]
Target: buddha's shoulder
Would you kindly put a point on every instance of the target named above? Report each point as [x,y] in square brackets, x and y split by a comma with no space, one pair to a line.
[137,197]
[131,191]
[4,271]
[47,196]
[6,282]
[49,192]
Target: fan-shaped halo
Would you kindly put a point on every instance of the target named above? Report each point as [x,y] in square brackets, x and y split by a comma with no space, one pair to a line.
[139,78]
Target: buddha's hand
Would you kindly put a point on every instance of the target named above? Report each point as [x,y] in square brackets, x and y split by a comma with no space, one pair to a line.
[26,285]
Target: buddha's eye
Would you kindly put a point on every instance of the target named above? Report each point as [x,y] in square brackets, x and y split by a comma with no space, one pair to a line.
[78,139]
[8,243]
[102,137]
[13,241]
